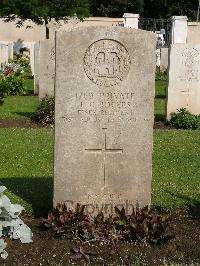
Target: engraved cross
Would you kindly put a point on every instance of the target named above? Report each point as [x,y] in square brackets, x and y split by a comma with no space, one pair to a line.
[104,151]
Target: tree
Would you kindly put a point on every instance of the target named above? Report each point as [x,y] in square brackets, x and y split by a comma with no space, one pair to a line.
[40,11]
[168,8]
[115,8]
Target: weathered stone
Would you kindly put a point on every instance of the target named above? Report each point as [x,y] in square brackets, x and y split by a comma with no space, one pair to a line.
[104,117]
[164,58]
[47,68]
[37,67]
[184,78]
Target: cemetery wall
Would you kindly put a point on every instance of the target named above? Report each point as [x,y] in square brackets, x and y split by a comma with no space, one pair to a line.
[32,32]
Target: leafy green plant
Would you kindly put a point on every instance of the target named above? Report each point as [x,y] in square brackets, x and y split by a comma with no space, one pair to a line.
[161,75]
[183,119]
[45,111]
[2,95]
[10,224]
[143,225]
[12,84]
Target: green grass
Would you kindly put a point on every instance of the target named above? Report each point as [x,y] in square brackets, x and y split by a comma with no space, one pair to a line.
[29,85]
[176,168]
[18,107]
[27,167]
[160,101]
[161,86]
[159,109]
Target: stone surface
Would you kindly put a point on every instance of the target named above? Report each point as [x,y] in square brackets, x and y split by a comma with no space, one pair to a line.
[184,78]
[104,117]
[164,58]
[3,53]
[179,29]
[193,35]
[36,67]
[47,68]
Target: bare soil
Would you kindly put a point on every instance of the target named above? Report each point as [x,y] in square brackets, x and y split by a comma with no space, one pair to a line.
[27,123]
[23,123]
[46,250]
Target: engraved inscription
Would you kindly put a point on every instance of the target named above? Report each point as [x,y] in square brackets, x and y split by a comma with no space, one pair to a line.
[106,62]
[190,58]
[52,54]
[103,107]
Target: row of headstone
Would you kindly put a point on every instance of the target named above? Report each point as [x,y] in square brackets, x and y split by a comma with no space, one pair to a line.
[104,113]
[7,50]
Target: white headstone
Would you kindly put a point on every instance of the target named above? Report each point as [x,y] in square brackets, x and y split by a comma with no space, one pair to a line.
[104,101]
[46,68]
[184,78]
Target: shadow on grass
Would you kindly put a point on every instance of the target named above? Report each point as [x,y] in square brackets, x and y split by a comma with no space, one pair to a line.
[192,204]
[25,114]
[160,96]
[38,192]
[159,117]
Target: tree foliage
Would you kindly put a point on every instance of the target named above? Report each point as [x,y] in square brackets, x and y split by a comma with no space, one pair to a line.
[116,8]
[40,10]
[146,8]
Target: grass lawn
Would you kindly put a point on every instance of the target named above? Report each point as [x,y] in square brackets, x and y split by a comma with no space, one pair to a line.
[160,100]
[159,109]
[29,85]
[18,107]
[27,167]
[160,91]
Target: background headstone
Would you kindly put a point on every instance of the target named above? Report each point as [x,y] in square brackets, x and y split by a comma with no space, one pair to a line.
[46,68]
[184,78]
[36,67]
[104,117]
[164,58]
[3,53]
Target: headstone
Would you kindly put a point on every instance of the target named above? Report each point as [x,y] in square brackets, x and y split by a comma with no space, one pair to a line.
[164,58]
[47,68]
[32,57]
[104,117]
[184,78]
[4,53]
[10,50]
[36,67]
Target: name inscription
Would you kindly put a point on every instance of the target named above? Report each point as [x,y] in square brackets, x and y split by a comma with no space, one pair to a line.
[103,107]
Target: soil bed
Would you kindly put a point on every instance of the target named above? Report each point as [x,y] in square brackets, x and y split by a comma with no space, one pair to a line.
[23,123]
[46,250]
[27,123]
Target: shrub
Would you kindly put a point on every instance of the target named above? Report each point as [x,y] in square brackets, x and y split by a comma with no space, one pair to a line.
[45,111]
[21,60]
[161,75]
[183,119]
[10,224]
[12,84]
